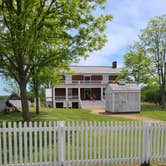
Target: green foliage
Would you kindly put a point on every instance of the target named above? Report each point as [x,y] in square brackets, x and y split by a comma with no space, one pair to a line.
[137,66]
[152,39]
[151,94]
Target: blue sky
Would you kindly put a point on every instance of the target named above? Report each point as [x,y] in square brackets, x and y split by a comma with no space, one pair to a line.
[129,17]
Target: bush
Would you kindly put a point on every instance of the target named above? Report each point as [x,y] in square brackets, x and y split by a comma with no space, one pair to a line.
[150,94]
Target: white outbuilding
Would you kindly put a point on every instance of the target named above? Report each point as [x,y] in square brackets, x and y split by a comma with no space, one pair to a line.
[122,97]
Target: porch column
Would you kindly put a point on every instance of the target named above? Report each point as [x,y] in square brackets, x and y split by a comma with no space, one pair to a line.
[79,94]
[53,97]
[66,94]
[102,93]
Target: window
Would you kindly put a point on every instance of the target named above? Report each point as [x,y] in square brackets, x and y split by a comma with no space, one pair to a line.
[70,92]
[87,79]
[104,93]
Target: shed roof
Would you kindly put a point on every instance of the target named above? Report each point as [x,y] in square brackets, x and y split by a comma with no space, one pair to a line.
[14,96]
[95,70]
[125,87]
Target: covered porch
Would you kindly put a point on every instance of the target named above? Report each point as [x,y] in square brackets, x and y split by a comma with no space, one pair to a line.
[76,95]
[79,93]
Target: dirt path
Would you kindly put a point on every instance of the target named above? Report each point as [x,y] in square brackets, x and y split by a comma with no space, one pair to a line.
[128,116]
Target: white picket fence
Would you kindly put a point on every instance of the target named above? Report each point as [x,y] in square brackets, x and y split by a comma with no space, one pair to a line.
[82,143]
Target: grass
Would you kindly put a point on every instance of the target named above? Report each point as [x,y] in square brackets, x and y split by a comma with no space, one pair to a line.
[153,111]
[50,114]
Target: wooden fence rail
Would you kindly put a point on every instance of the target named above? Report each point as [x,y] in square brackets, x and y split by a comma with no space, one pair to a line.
[82,143]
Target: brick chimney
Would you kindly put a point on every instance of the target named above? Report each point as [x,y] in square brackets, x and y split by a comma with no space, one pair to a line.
[114,64]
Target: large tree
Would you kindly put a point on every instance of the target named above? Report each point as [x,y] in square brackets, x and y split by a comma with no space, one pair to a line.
[146,59]
[137,66]
[153,39]
[35,33]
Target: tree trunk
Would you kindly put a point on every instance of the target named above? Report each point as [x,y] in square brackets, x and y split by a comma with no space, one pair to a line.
[37,99]
[162,94]
[24,101]
[36,93]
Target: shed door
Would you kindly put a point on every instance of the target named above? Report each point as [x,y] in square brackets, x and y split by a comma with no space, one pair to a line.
[121,102]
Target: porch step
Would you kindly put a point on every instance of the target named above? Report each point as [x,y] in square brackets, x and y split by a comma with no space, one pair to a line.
[92,104]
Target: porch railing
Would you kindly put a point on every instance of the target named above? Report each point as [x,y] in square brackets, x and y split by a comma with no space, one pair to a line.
[60,97]
[87,82]
[64,97]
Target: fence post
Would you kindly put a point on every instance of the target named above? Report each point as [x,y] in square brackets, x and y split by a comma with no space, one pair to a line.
[61,142]
[146,144]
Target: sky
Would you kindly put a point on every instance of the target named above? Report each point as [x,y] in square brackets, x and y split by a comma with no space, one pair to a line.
[129,17]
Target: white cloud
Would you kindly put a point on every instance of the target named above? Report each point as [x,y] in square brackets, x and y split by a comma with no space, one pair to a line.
[129,18]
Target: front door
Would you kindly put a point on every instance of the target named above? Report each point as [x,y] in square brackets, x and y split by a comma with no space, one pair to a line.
[87,93]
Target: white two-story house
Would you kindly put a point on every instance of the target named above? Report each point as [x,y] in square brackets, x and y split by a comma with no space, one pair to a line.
[85,88]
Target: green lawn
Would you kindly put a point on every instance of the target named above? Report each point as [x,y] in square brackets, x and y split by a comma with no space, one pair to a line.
[50,114]
[153,111]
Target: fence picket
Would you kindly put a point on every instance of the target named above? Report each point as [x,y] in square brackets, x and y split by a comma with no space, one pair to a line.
[40,143]
[55,137]
[20,144]
[82,141]
[90,146]
[139,142]
[103,142]
[68,140]
[86,143]
[25,144]
[77,142]
[116,142]
[120,143]
[161,145]
[10,143]
[35,142]
[30,143]
[50,142]
[73,146]
[165,144]
[154,143]
[45,141]
[111,142]
[132,141]
[158,143]
[99,130]
[4,143]
[95,143]
[107,143]
[128,137]
[135,140]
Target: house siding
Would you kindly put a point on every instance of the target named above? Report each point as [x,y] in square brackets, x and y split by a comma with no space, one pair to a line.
[96,77]
[77,77]
[112,78]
